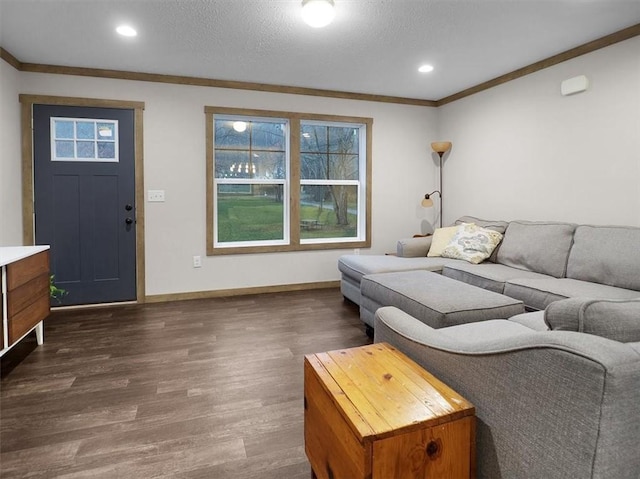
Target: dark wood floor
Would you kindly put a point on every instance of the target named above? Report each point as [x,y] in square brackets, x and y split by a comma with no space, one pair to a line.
[192,389]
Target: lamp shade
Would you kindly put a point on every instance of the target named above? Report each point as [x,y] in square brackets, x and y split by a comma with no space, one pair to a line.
[441,146]
[427,203]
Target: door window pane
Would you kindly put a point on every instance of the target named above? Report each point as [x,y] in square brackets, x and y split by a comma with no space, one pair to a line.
[106,149]
[64,149]
[86,149]
[64,129]
[85,130]
[106,131]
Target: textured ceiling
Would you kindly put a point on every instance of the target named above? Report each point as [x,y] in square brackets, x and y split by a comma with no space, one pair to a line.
[373,46]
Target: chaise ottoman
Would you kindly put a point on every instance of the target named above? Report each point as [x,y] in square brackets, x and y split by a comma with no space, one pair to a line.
[353,267]
[434,299]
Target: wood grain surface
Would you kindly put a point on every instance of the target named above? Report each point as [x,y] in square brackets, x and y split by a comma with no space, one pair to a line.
[209,388]
[372,413]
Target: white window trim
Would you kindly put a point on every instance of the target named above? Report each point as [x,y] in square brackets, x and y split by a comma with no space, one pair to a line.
[286,182]
[360,183]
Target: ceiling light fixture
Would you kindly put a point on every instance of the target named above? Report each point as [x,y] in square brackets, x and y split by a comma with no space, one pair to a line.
[318,13]
[425,68]
[126,31]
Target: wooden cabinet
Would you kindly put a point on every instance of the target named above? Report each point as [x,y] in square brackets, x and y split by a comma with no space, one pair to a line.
[25,292]
[371,412]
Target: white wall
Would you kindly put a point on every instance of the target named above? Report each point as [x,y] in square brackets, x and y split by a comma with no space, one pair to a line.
[174,160]
[520,150]
[523,151]
[10,163]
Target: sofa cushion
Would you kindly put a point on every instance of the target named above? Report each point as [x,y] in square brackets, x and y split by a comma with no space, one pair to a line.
[491,276]
[606,254]
[472,243]
[495,225]
[433,299]
[441,239]
[540,293]
[533,320]
[415,247]
[356,266]
[618,320]
[542,247]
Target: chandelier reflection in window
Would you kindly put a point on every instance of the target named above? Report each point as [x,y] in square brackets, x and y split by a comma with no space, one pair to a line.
[240,168]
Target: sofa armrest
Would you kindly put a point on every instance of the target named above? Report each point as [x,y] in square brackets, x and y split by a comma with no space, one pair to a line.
[414,247]
[610,318]
[576,391]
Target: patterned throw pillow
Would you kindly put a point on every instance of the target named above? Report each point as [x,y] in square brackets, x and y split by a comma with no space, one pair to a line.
[472,243]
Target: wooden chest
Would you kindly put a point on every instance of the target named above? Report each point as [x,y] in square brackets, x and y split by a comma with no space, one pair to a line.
[371,412]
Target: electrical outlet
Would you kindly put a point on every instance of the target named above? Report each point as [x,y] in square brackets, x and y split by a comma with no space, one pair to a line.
[155,196]
[356,251]
[197,262]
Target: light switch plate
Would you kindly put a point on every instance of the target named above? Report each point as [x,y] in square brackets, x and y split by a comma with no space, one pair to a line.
[155,196]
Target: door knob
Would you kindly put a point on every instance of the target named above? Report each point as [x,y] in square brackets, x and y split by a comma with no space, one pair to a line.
[128,207]
[128,221]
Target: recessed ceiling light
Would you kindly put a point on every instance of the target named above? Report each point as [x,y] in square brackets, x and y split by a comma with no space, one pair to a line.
[425,68]
[126,31]
[318,13]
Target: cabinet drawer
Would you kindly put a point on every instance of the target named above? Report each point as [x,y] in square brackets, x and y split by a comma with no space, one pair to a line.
[26,319]
[25,270]
[25,294]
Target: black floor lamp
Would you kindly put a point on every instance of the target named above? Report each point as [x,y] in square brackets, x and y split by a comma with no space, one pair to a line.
[440,147]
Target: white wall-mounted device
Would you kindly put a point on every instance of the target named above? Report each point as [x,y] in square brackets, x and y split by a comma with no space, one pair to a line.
[574,85]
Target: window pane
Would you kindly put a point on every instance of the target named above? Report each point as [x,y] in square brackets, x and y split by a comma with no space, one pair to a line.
[269,165]
[313,138]
[328,211]
[106,131]
[232,164]
[227,137]
[250,213]
[64,149]
[64,129]
[106,149]
[267,136]
[313,166]
[85,130]
[343,167]
[343,140]
[86,149]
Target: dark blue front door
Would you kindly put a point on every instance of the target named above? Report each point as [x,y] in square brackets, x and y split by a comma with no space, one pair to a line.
[84,192]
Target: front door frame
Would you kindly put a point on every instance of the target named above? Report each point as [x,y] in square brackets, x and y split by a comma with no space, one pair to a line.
[28,220]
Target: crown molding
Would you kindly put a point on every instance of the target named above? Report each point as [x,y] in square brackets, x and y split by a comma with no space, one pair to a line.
[592,46]
[616,37]
[10,59]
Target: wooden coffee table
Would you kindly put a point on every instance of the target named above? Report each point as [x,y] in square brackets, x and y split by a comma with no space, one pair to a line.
[371,412]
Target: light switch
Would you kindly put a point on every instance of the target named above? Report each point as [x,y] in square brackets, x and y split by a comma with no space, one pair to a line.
[155,196]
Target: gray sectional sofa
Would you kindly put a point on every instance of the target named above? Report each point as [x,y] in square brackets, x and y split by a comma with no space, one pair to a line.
[557,388]
[537,262]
